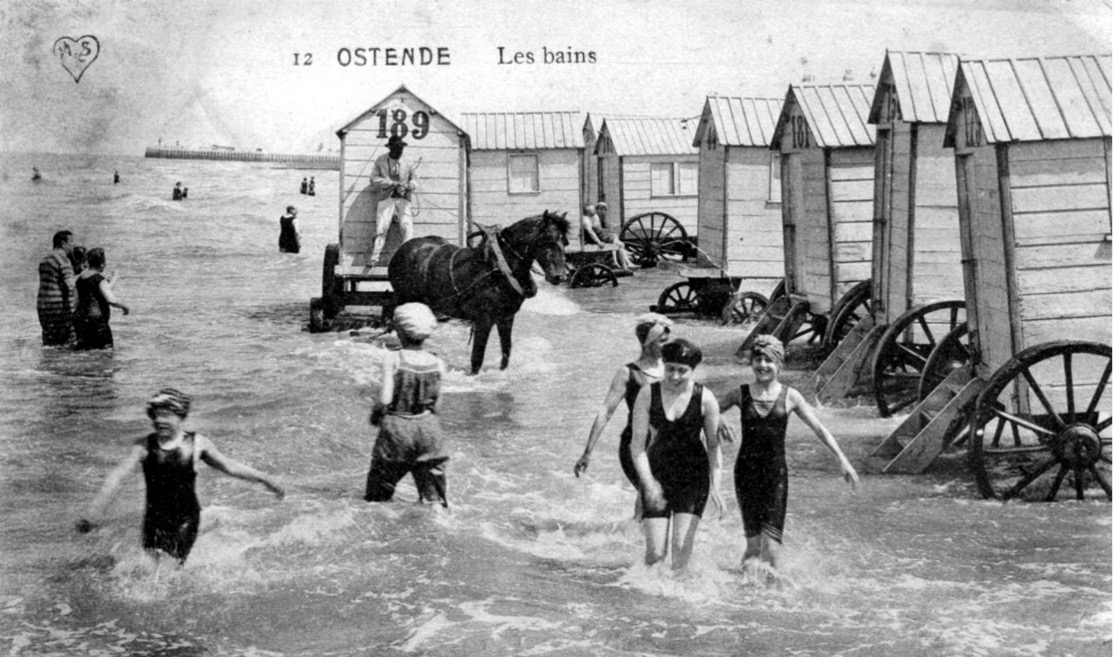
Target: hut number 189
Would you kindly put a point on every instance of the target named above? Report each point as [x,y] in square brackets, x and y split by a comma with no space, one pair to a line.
[399,126]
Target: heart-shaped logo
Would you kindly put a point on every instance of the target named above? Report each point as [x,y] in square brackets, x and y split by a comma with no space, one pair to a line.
[77,54]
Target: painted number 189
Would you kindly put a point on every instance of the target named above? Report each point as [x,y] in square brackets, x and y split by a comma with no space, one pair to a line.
[399,127]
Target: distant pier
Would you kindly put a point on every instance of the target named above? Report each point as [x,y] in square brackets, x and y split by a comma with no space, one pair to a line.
[303,160]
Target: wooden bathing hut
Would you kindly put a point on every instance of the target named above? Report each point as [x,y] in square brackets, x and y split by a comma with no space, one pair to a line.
[438,149]
[827,161]
[648,178]
[877,336]
[522,163]
[739,215]
[1026,381]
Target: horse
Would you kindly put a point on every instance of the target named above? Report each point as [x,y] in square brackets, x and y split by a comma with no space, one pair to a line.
[486,284]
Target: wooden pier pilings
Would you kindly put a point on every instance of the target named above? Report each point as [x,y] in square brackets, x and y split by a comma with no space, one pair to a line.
[304,160]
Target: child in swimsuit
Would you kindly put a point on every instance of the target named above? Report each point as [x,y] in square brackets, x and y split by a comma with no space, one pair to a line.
[760,474]
[652,331]
[169,458]
[677,469]
[410,436]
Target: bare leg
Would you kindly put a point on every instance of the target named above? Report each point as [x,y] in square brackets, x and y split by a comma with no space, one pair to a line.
[656,531]
[481,331]
[685,530]
[754,547]
[770,550]
[504,327]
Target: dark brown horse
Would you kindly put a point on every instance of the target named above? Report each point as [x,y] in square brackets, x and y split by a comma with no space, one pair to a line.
[485,284]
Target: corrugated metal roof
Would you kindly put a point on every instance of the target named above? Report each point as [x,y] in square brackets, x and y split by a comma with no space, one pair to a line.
[650,136]
[524,130]
[739,122]
[1039,98]
[837,114]
[923,83]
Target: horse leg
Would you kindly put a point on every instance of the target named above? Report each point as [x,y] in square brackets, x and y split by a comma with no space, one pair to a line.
[481,330]
[504,327]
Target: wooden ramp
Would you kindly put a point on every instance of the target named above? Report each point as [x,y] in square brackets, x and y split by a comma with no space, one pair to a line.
[848,367]
[931,426]
[772,317]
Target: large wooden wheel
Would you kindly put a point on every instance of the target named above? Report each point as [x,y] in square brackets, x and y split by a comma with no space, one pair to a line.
[1042,426]
[779,290]
[904,349]
[852,306]
[592,275]
[744,307]
[951,353]
[331,286]
[678,298]
[651,237]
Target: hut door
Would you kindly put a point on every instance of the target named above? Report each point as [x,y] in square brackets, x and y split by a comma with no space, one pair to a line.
[880,237]
[966,193]
[793,208]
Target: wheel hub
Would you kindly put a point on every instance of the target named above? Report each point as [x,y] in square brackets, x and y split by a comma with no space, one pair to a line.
[1078,445]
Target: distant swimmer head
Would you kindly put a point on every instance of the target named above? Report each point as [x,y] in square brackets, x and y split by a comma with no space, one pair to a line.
[414,322]
[170,399]
[650,327]
[769,346]
[682,351]
[291,209]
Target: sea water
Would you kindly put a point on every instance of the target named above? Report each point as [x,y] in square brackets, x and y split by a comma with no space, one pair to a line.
[529,560]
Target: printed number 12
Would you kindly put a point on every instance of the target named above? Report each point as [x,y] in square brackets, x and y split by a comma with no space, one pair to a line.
[306,59]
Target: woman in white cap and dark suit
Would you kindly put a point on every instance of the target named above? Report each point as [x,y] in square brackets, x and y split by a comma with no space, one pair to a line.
[410,436]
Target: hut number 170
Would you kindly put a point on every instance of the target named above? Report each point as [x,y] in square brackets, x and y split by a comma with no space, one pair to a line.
[399,127]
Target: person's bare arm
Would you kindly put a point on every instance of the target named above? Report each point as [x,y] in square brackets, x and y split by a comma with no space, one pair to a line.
[603,414]
[209,453]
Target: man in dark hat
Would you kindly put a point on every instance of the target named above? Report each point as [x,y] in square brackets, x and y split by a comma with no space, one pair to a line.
[394,182]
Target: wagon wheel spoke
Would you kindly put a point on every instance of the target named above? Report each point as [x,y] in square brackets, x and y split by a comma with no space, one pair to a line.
[1078,476]
[1041,397]
[925,328]
[1052,494]
[1103,426]
[1016,451]
[1028,478]
[1019,422]
[1099,389]
[1104,484]
[1071,399]
[906,399]
[911,354]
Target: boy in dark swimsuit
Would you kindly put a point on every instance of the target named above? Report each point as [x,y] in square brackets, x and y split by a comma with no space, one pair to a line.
[169,458]
[678,469]
[760,474]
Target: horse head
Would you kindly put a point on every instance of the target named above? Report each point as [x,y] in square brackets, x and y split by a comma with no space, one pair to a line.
[543,239]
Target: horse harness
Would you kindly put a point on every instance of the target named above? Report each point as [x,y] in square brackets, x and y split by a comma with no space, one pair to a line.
[491,234]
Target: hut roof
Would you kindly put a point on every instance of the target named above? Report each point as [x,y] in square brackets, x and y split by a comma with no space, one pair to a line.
[739,122]
[1037,98]
[923,83]
[837,114]
[524,130]
[650,136]
[372,110]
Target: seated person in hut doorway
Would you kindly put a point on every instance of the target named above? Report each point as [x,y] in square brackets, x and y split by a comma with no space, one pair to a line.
[593,232]
[393,180]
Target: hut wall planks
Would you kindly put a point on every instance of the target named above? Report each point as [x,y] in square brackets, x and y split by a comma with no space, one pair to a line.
[754,241]
[1061,220]
[851,174]
[637,197]
[936,269]
[712,217]
[559,186]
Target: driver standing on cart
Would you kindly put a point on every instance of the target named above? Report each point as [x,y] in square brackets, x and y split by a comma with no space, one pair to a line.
[393,180]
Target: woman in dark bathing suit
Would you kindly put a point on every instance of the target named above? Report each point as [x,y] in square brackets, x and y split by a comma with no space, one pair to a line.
[652,331]
[169,459]
[678,469]
[760,474]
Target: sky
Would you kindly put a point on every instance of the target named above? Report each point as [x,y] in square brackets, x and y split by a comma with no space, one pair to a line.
[203,72]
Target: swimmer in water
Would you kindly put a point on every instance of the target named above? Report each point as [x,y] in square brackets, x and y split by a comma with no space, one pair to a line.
[169,458]
[651,331]
[678,469]
[760,473]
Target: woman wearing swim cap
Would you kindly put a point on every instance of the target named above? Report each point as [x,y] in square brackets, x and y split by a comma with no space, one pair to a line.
[169,459]
[651,331]
[761,477]
[678,469]
[410,437]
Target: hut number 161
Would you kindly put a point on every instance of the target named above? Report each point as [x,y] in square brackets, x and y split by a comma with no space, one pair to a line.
[421,121]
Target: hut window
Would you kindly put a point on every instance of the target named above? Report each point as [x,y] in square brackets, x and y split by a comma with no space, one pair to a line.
[522,173]
[671,179]
[774,196]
